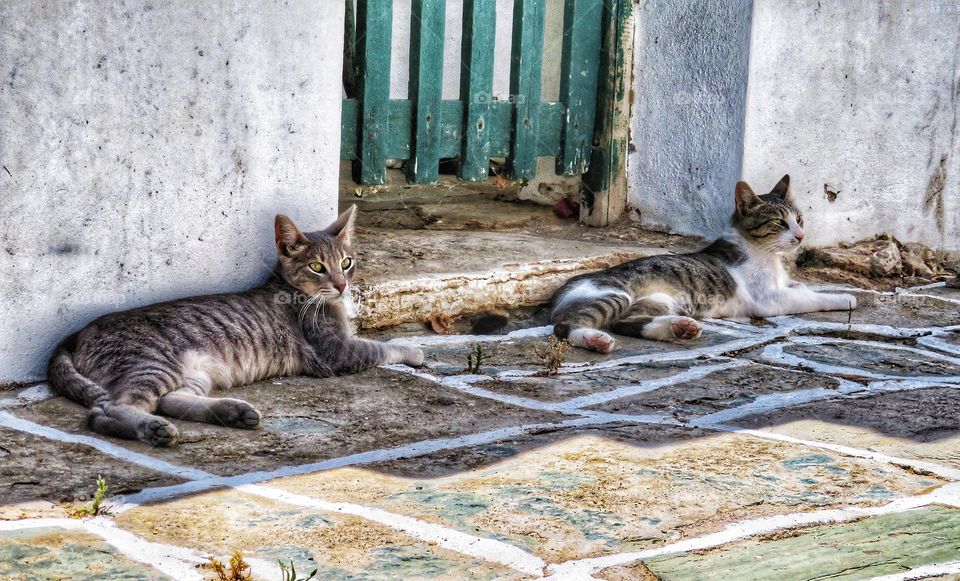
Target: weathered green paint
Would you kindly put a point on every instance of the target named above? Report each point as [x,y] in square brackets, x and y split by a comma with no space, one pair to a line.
[374,34]
[603,196]
[578,83]
[476,87]
[426,82]
[500,116]
[425,128]
[348,129]
[525,69]
[859,550]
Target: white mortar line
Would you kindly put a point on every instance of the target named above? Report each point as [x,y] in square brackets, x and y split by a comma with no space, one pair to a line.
[8,420]
[483,548]
[431,340]
[177,562]
[776,353]
[948,494]
[934,341]
[922,572]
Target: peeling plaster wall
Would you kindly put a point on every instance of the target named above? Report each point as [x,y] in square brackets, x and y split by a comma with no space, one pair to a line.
[859,102]
[690,76]
[146,147]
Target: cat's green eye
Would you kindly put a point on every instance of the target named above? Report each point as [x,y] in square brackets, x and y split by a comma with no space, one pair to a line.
[317,267]
[346,263]
[783,224]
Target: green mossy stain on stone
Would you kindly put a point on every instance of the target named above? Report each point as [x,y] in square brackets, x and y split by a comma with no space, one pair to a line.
[52,553]
[455,507]
[859,550]
[813,461]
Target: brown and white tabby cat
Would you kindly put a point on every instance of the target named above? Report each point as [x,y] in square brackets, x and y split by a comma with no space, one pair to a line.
[166,358]
[740,275]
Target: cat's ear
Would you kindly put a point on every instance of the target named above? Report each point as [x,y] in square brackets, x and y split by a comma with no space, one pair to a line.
[782,189]
[342,227]
[746,198]
[290,240]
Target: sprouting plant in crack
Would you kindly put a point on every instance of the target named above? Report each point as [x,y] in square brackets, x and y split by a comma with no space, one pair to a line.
[238,570]
[553,354]
[475,358]
[289,572]
[97,507]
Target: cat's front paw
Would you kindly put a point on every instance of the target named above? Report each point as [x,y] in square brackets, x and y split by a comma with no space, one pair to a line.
[844,302]
[236,413]
[410,355]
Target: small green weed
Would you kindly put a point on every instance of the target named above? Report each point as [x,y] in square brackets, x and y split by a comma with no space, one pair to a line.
[475,358]
[96,508]
[289,572]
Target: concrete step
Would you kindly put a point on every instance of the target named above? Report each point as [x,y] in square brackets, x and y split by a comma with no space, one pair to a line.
[408,276]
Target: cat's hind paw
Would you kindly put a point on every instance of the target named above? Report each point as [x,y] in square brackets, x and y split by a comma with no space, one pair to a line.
[592,339]
[236,413]
[685,329]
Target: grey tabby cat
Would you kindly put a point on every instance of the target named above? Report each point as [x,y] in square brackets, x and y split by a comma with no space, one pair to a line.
[166,358]
[740,275]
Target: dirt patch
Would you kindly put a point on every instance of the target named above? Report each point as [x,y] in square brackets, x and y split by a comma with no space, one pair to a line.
[308,419]
[34,468]
[717,391]
[921,415]
[563,387]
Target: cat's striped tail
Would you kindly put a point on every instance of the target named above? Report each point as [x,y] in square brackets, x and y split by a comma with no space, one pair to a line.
[63,377]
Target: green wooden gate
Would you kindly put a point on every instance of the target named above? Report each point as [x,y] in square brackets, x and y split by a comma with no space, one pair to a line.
[425,128]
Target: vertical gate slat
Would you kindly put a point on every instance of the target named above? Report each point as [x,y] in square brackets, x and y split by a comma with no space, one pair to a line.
[525,66]
[374,34]
[426,84]
[578,83]
[476,87]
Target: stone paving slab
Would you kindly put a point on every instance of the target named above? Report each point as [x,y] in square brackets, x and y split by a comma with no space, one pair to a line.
[307,419]
[54,553]
[339,546]
[876,359]
[717,391]
[921,424]
[872,547]
[34,468]
[581,493]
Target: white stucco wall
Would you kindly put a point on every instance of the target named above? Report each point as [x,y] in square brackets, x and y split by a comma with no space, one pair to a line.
[690,72]
[861,98]
[146,147]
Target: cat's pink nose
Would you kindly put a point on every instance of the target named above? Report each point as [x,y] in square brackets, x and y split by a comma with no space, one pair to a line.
[799,236]
[340,286]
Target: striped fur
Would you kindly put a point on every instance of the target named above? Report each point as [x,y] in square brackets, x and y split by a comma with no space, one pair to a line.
[167,358]
[740,275]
